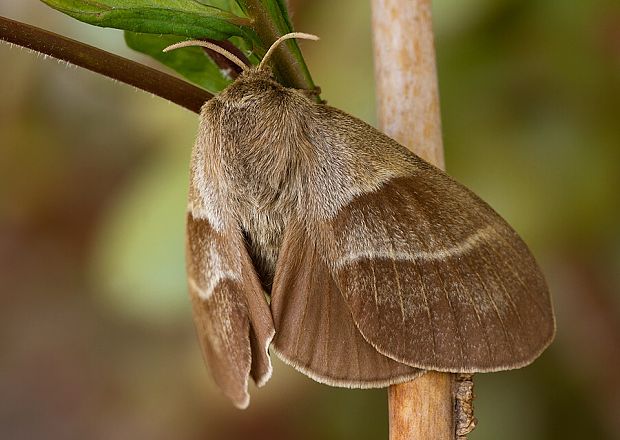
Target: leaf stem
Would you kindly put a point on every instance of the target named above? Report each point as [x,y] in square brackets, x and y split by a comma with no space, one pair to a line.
[271,22]
[105,63]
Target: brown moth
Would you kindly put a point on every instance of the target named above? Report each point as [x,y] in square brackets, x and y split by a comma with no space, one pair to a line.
[311,233]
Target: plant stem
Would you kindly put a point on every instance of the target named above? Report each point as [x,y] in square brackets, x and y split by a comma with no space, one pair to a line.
[406,76]
[422,409]
[408,108]
[269,22]
[104,63]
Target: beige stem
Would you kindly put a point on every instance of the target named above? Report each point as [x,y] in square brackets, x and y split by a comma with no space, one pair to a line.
[422,409]
[406,76]
[408,108]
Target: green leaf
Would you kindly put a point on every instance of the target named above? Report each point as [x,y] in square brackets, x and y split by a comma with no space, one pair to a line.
[247,49]
[192,63]
[226,5]
[188,18]
[250,49]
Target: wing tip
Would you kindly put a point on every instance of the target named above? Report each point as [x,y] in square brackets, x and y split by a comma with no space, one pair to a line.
[238,395]
[242,403]
[262,380]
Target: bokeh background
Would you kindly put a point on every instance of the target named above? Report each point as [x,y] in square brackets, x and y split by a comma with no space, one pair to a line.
[96,336]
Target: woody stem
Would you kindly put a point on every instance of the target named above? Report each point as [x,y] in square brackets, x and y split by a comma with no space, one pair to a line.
[104,63]
[408,110]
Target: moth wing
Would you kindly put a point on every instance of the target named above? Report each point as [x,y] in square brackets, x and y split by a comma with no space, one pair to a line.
[231,313]
[315,331]
[434,277]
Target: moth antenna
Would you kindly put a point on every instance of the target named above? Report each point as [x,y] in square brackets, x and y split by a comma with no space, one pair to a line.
[214,47]
[285,37]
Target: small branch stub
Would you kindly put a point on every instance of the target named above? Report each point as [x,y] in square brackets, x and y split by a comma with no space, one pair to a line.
[464,405]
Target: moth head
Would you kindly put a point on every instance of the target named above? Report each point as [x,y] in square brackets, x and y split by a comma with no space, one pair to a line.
[255,84]
[253,88]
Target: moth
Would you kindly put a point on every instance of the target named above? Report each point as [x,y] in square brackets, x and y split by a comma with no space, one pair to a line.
[315,236]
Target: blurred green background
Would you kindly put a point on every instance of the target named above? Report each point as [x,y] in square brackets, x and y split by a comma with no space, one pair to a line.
[96,336]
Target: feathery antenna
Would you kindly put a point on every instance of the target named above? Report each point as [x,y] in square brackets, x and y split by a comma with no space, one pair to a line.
[232,57]
[285,37]
[214,47]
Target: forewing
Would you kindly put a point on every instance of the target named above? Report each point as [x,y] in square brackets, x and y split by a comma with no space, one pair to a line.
[435,278]
[230,310]
[315,331]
